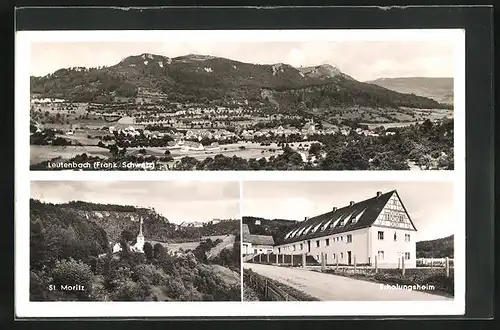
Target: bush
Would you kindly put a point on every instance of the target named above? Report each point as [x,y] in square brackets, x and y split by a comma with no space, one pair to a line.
[71,272]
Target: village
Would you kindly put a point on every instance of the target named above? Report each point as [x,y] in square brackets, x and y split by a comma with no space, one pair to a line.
[172,131]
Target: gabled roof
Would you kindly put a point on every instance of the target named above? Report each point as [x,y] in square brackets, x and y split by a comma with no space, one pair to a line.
[256,239]
[360,215]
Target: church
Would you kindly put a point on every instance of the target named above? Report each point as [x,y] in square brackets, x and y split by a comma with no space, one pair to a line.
[376,230]
[137,247]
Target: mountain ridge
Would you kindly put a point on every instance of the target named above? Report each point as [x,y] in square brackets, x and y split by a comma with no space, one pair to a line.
[195,76]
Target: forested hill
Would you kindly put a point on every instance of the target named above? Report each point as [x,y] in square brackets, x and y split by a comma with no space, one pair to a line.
[113,219]
[438,248]
[78,222]
[207,78]
[276,227]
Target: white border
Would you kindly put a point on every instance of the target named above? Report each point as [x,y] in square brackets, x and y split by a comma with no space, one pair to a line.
[25,308]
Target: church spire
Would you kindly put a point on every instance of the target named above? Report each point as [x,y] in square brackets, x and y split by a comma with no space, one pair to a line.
[140,229]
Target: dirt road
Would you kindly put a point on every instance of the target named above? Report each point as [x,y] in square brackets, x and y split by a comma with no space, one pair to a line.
[333,287]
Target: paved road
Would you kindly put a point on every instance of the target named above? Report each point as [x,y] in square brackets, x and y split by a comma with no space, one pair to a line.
[334,287]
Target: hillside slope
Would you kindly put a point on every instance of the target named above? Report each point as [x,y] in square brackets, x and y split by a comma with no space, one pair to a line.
[438,248]
[207,78]
[439,89]
[111,220]
[276,227]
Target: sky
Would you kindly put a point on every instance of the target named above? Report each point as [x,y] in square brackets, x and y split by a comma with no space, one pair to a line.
[429,204]
[363,60]
[178,201]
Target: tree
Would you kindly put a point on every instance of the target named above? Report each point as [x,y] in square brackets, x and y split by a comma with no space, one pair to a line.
[158,250]
[127,235]
[148,250]
[315,149]
[70,273]
[114,149]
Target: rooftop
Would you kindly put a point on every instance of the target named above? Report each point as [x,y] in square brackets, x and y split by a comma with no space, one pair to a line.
[351,217]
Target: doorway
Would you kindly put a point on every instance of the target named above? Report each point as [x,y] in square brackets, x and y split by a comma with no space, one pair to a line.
[349,254]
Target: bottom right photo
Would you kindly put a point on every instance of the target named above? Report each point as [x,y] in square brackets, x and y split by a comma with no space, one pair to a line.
[348,241]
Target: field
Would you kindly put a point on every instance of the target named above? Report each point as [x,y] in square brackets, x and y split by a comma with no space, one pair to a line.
[42,153]
[420,115]
[227,241]
[251,150]
[380,117]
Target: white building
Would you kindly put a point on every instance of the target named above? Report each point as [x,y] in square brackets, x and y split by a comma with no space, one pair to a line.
[190,145]
[254,244]
[379,227]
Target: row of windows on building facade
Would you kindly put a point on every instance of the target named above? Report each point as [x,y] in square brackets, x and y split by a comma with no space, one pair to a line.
[318,242]
[381,236]
[380,255]
[352,219]
[341,239]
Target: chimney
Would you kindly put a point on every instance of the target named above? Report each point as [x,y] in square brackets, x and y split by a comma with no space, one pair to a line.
[379,193]
[351,203]
[334,209]
[306,218]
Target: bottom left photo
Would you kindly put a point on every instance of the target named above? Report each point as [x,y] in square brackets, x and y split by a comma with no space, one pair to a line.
[135,241]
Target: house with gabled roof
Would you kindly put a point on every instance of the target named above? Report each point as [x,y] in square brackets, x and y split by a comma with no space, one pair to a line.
[376,228]
[254,244]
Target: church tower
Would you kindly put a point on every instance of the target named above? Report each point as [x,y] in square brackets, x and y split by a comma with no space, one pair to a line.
[140,238]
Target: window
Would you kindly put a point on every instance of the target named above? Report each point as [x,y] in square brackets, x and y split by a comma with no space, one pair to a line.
[334,257]
[341,255]
[380,235]
[294,248]
[407,255]
[395,237]
[317,243]
[301,246]
[254,250]
[380,255]
[327,242]
[407,237]
[349,238]
[342,238]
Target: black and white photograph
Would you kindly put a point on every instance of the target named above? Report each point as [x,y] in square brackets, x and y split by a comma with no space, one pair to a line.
[134,241]
[200,104]
[348,241]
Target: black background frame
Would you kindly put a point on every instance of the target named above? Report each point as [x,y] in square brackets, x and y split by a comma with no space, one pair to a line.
[478,24]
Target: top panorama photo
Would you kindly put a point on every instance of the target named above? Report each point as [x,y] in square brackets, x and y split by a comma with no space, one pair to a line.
[201,105]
